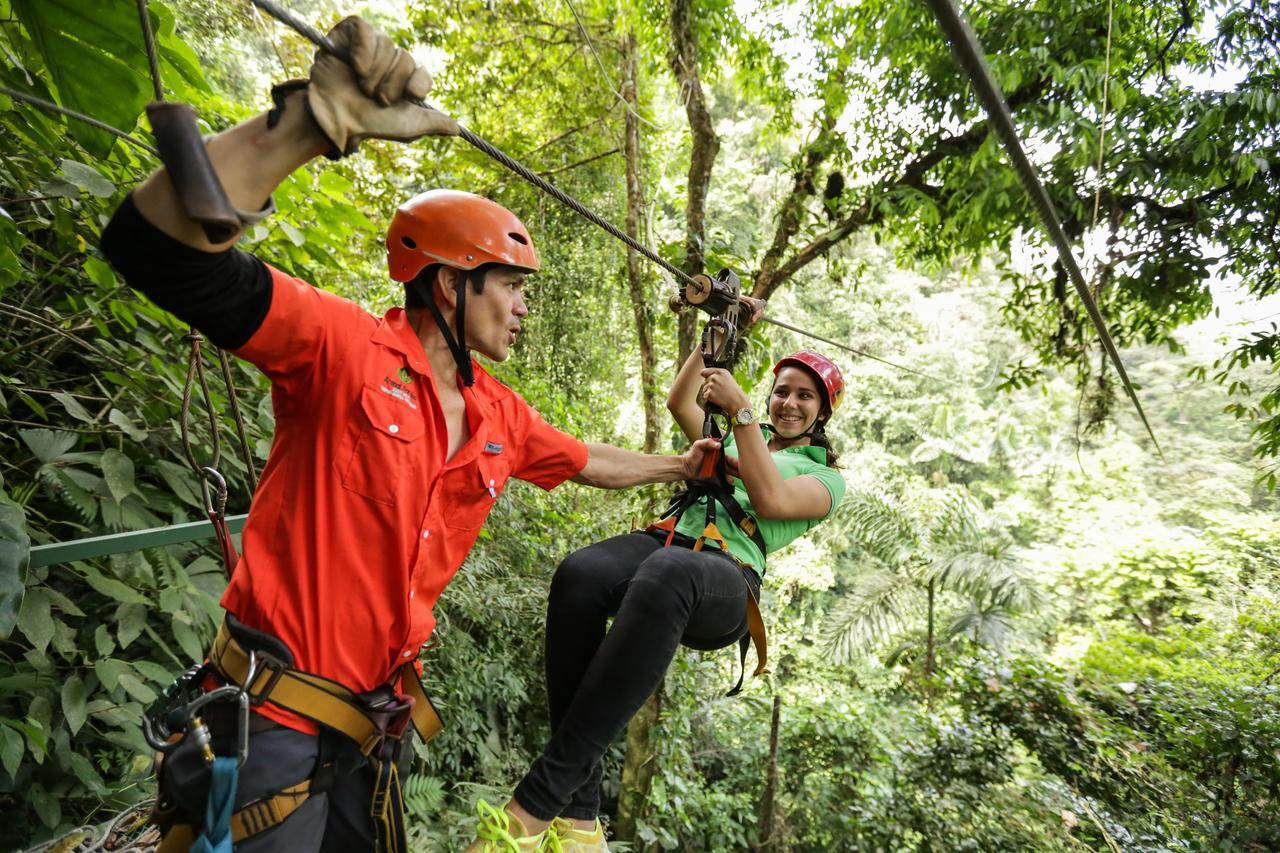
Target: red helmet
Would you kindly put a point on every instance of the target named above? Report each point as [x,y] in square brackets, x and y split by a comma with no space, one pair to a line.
[823,368]
[458,229]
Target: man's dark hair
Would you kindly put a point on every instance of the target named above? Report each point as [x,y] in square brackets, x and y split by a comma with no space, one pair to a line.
[417,291]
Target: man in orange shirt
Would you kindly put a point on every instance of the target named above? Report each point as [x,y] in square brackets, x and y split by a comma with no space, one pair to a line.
[391,447]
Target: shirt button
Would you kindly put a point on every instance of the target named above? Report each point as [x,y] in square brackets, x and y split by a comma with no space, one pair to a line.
[426,534]
[393,429]
[411,593]
[408,654]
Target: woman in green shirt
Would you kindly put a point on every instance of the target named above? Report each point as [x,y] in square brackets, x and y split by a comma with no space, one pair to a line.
[662,597]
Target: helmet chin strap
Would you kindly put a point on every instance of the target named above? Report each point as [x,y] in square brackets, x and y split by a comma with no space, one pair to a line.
[457,344]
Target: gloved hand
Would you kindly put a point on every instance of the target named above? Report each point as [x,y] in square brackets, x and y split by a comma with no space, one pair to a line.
[366,99]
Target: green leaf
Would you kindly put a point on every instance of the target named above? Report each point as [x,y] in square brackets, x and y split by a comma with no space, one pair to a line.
[120,419]
[136,688]
[188,640]
[88,179]
[74,696]
[45,804]
[99,272]
[335,185]
[15,547]
[181,481]
[73,407]
[93,53]
[290,231]
[131,621]
[48,444]
[111,587]
[12,746]
[117,469]
[102,641]
[109,672]
[85,772]
[35,620]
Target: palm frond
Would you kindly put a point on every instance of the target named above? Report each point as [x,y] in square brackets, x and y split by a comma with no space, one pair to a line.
[988,625]
[881,527]
[868,616]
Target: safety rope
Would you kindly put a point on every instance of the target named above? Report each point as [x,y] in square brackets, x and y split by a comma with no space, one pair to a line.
[149,39]
[968,52]
[195,370]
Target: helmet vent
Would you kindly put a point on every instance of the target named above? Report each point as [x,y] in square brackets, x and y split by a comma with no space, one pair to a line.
[519,238]
[408,242]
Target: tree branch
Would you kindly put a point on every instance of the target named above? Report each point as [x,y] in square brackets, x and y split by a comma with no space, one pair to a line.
[940,148]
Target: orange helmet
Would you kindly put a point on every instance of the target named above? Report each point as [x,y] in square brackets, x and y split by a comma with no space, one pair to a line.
[458,229]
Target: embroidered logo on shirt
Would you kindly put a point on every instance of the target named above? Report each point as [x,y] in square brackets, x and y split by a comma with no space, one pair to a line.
[490,447]
[402,389]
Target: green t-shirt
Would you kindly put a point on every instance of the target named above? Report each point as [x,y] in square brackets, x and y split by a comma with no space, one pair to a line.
[791,462]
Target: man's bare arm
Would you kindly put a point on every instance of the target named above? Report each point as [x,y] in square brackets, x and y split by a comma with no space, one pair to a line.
[610,467]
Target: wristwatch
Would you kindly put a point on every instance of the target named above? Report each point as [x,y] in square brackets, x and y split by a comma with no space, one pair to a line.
[744,417]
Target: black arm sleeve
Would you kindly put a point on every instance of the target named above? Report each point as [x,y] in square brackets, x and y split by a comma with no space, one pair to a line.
[225,295]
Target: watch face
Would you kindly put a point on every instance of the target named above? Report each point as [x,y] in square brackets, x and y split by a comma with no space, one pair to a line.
[745,416]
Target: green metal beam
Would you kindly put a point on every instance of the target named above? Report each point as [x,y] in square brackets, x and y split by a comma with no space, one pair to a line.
[133,540]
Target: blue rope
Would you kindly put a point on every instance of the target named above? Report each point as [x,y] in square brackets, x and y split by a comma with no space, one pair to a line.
[216,837]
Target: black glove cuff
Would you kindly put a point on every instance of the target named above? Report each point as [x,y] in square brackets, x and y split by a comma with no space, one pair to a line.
[279,92]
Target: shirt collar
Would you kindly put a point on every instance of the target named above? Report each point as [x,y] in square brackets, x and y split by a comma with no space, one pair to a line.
[395,331]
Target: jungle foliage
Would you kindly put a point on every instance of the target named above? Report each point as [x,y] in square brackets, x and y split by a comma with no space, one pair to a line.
[1023,630]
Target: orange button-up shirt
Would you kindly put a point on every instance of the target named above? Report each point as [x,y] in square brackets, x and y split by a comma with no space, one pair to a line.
[359,522]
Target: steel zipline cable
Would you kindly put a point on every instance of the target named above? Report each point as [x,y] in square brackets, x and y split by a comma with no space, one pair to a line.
[319,39]
[968,52]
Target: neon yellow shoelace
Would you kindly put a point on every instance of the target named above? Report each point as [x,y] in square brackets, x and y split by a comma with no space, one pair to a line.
[493,829]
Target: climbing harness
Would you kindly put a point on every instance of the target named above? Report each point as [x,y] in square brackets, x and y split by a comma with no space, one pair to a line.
[720,297]
[252,668]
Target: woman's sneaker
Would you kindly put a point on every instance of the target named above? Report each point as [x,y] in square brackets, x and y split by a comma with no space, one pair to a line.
[574,840]
[499,831]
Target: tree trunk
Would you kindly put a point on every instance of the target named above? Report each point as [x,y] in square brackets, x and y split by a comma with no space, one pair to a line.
[637,770]
[769,842]
[684,64]
[640,301]
[928,647]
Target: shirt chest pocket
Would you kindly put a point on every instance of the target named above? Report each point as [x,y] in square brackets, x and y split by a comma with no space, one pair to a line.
[472,490]
[388,447]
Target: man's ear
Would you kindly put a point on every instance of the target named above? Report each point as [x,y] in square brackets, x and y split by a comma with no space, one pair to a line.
[445,288]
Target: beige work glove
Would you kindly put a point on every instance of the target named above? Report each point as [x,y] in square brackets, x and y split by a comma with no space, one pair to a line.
[367,99]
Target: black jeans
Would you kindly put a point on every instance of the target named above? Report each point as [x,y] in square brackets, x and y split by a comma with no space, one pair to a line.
[660,597]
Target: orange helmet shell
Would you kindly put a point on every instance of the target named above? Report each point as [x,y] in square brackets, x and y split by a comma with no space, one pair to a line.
[458,229]
[821,368]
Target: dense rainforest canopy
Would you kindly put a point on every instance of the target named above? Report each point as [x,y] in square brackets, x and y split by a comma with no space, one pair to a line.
[1024,629]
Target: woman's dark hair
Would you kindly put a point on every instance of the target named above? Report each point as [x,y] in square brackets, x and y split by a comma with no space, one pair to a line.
[818,438]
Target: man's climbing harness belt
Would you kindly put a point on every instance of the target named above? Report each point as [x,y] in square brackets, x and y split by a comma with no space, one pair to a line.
[373,722]
[327,702]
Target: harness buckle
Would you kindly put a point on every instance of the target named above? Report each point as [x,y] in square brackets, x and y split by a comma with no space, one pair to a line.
[259,661]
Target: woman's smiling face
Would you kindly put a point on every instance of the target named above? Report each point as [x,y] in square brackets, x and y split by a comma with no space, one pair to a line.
[795,402]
